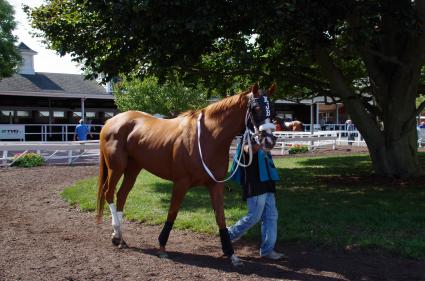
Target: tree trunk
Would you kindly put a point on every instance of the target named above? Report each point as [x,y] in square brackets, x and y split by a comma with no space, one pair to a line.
[393,149]
[397,158]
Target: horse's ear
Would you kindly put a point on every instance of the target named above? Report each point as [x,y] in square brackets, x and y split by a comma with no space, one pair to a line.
[255,90]
[272,89]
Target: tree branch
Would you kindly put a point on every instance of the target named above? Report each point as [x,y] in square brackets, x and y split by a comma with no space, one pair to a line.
[382,56]
[420,108]
[363,118]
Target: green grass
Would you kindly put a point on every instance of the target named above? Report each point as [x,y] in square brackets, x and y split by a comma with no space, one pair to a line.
[316,205]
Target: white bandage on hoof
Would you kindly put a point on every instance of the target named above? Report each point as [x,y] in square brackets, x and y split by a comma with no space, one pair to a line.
[236,261]
[116,220]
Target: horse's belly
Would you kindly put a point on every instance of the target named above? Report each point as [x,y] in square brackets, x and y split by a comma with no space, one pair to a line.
[156,162]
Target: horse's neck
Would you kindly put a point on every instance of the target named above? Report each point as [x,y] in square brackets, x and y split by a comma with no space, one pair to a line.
[225,126]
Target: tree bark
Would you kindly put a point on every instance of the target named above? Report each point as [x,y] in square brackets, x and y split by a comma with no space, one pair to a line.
[393,148]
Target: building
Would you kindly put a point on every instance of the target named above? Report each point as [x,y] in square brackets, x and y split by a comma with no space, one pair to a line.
[319,112]
[35,98]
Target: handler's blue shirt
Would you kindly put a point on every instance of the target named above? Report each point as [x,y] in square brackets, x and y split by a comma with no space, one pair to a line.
[259,177]
[81,130]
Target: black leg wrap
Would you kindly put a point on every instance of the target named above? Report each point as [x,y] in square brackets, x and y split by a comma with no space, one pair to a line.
[163,236]
[226,244]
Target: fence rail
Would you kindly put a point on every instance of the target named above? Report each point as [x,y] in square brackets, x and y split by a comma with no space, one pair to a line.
[88,151]
[56,152]
[52,132]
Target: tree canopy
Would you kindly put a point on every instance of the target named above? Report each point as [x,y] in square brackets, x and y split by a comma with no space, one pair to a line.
[9,55]
[148,95]
[366,53]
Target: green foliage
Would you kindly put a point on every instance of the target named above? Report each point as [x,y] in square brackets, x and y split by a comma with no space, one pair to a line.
[420,100]
[167,99]
[10,58]
[327,201]
[28,160]
[367,54]
[297,148]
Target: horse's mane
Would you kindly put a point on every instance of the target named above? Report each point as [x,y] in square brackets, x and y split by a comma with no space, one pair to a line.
[218,107]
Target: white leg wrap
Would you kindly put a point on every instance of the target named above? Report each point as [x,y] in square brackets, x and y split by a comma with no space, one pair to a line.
[116,221]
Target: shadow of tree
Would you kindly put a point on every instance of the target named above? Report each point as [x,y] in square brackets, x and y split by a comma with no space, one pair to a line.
[331,201]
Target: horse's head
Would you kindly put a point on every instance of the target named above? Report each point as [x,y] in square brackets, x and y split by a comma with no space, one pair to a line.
[260,109]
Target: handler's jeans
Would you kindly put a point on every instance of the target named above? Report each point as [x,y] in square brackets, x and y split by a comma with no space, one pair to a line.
[261,207]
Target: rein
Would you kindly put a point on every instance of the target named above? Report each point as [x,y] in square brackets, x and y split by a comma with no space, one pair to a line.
[246,137]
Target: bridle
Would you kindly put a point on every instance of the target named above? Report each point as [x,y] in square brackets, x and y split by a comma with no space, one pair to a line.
[246,138]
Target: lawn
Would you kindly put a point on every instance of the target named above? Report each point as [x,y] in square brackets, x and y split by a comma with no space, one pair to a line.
[322,201]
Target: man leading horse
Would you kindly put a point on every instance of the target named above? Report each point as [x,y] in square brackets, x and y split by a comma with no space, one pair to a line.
[182,150]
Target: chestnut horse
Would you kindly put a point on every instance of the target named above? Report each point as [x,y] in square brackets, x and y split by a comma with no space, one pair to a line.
[170,149]
[293,126]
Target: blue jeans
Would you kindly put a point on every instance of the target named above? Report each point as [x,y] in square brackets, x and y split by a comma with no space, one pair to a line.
[261,207]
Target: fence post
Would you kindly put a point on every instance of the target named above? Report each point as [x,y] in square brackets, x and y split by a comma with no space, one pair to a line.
[69,157]
[4,157]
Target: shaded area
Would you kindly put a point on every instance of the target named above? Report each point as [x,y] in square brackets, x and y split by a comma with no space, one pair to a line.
[327,201]
[42,82]
[46,239]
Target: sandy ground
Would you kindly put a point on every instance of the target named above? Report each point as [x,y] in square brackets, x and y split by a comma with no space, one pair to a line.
[43,238]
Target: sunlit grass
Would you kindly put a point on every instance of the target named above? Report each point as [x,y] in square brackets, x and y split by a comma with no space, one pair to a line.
[313,207]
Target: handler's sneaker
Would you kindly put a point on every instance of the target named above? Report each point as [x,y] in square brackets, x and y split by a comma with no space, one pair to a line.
[273,255]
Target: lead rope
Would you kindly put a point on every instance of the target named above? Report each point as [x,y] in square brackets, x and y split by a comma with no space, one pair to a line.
[246,137]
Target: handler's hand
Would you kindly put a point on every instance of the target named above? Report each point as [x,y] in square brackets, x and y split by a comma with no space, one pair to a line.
[255,148]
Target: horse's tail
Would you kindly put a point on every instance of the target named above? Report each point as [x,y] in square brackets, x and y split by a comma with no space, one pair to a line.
[101,182]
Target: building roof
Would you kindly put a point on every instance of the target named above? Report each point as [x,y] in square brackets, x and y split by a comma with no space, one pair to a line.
[315,100]
[24,48]
[52,85]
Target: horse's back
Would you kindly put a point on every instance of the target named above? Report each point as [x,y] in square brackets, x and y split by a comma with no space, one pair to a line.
[152,142]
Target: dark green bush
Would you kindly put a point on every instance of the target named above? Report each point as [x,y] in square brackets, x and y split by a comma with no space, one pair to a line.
[28,160]
[298,148]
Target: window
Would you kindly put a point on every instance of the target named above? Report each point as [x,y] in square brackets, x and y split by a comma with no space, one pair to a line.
[91,114]
[76,114]
[109,114]
[22,113]
[6,113]
[44,113]
[59,114]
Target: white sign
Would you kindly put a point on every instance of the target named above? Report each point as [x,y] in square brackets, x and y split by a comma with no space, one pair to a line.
[12,132]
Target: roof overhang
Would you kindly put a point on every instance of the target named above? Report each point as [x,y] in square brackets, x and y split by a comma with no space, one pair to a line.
[54,94]
[315,100]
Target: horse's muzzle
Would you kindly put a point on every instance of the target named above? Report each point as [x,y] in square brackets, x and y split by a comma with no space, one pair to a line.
[268,140]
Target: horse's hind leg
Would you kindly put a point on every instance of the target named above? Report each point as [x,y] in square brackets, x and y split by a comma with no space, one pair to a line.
[114,176]
[130,176]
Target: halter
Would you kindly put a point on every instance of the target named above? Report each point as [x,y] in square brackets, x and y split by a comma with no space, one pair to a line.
[245,138]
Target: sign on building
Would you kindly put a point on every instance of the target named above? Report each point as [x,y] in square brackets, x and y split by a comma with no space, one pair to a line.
[12,132]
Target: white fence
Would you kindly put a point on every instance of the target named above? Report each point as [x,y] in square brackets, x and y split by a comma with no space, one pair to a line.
[318,139]
[45,132]
[55,152]
[88,151]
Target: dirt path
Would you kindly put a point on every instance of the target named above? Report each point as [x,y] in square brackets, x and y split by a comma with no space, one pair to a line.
[43,238]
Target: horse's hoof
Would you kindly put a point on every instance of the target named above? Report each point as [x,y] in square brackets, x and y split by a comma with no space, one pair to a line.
[163,255]
[116,241]
[236,262]
[122,245]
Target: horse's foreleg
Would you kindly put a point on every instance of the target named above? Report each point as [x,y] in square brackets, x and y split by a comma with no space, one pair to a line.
[178,193]
[217,200]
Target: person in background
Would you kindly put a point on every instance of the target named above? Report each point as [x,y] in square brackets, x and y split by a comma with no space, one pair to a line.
[277,124]
[81,131]
[422,125]
[258,189]
[350,129]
